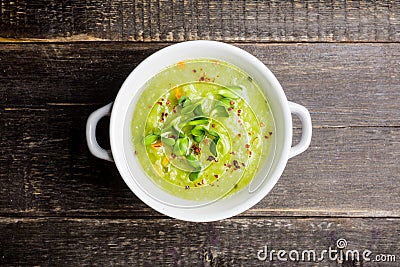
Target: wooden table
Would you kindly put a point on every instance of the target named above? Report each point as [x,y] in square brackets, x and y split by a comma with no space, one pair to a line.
[61,60]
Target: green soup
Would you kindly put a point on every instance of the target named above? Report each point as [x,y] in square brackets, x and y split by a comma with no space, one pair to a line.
[201,128]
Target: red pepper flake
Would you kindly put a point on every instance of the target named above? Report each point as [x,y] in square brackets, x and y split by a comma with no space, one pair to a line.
[149,106]
[181,65]
[194,71]
[174,110]
[262,124]
[173,156]
[161,120]
[168,102]
[225,164]
[187,187]
[229,109]
[247,145]
[213,125]
[232,153]
[136,152]
[266,136]
[270,133]
[216,176]
[162,99]
[216,160]
[239,111]
[244,165]
[250,153]
[210,158]
[157,145]
[239,135]
[229,165]
[239,121]
[160,103]
[202,181]
[232,102]
[205,141]
[198,183]
[197,150]
[201,79]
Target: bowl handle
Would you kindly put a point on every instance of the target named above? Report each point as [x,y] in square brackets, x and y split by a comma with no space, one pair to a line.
[305,118]
[91,125]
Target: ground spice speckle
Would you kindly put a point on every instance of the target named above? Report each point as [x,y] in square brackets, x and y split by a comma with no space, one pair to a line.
[210,158]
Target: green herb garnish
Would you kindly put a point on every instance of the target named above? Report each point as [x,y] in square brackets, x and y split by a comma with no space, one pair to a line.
[150,139]
[189,108]
[183,101]
[220,111]
[224,102]
[181,146]
[198,131]
[198,139]
[198,111]
[168,141]
[213,148]
[213,135]
[227,93]
[198,121]
[192,160]
[193,176]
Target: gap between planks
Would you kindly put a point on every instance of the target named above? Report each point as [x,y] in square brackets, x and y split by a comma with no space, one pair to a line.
[44,109]
[166,218]
[73,40]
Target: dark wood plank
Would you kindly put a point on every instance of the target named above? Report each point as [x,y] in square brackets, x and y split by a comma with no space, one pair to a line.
[47,170]
[160,242]
[341,84]
[261,21]
[84,74]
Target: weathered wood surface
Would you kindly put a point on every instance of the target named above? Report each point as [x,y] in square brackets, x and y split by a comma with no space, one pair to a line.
[249,21]
[163,242]
[341,84]
[60,206]
[47,170]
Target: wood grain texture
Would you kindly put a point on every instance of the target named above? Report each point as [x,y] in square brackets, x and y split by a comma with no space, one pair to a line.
[162,242]
[168,20]
[47,170]
[61,60]
[341,84]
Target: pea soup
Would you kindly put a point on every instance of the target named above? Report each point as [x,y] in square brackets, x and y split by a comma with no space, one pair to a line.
[201,128]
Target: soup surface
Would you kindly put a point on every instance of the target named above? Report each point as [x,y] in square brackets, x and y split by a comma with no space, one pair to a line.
[201,128]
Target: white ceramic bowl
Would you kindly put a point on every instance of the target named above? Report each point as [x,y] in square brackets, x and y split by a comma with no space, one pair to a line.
[121,140]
